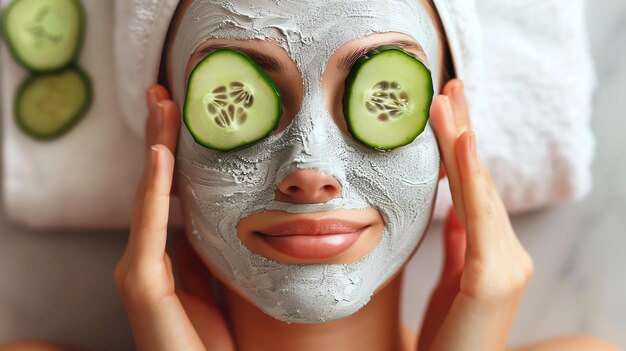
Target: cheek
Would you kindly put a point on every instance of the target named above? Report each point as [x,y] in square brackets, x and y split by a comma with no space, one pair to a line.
[412,165]
[400,183]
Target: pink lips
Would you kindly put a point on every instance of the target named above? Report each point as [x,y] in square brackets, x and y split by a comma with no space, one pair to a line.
[312,239]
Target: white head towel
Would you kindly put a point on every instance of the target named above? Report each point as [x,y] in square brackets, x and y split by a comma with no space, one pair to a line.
[527,70]
[526,66]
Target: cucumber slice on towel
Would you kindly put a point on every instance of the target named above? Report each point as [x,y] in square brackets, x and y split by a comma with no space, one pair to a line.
[387,98]
[48,105]
[44,35]
[230,102]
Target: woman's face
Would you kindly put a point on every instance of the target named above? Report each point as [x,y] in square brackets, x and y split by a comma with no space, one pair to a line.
[308,223]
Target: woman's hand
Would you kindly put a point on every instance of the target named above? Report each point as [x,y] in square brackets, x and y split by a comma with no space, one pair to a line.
[164,317]
[486,269]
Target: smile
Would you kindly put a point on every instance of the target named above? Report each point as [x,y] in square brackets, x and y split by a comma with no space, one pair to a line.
[312,239]
[331,237]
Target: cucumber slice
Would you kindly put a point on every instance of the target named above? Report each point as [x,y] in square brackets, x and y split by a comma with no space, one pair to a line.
[48,105]
[44,35]
[231,102]
[387,98]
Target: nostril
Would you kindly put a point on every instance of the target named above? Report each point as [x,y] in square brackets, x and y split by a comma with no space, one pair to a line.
[293,189]
[330,189]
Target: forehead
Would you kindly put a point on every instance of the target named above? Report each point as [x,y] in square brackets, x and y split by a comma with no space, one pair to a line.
[301,26]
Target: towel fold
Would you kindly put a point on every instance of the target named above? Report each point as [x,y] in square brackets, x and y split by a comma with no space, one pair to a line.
[526,66]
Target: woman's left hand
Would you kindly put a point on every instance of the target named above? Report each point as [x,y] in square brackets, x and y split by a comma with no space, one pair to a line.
[486,269]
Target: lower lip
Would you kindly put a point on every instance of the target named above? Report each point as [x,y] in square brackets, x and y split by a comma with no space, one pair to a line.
[313,247]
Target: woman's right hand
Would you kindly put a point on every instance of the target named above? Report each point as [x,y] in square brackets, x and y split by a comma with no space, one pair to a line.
[162,316]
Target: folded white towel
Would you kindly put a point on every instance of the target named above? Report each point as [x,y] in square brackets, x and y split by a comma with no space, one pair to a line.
[85,179]
[530,74]
[526,66]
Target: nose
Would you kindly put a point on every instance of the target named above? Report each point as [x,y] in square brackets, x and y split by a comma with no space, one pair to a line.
[308,186]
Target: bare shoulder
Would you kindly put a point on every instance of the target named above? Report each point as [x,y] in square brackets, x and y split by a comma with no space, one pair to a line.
[570,343]
[35,346]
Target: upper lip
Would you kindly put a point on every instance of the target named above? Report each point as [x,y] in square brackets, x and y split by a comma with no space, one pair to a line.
[327,226]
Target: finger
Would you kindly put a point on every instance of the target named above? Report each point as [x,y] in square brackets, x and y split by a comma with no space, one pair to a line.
[154,96]
[168,135]
[486,217]
[442,121]
[152,232]
[152,131]
[449,283]
[455,245]
[456,91]
[161,128]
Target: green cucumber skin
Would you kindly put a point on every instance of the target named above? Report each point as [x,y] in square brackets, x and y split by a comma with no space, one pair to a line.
[347,93]
[263,74]
[79,116]
[77,49]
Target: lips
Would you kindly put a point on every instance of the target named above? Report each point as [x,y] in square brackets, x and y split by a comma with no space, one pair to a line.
[312,239]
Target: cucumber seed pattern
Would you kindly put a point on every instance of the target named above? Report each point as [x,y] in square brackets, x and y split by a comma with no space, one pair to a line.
[228,104]
[47,27]
[387,100]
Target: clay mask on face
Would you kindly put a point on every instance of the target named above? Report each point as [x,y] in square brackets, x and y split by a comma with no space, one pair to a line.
[219,189]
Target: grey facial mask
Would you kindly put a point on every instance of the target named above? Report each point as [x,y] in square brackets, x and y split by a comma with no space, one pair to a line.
[219,189]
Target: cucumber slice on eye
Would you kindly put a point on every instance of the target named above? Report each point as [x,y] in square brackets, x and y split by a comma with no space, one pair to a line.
[48,105]
[231,102]
[44,35]
[387,98]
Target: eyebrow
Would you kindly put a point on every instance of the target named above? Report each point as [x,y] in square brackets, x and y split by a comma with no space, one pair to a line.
[346,63]
[271,64]
[267,62]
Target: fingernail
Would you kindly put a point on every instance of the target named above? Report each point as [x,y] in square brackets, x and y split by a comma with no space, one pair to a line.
[472,144]
[155,156]
[458,94]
